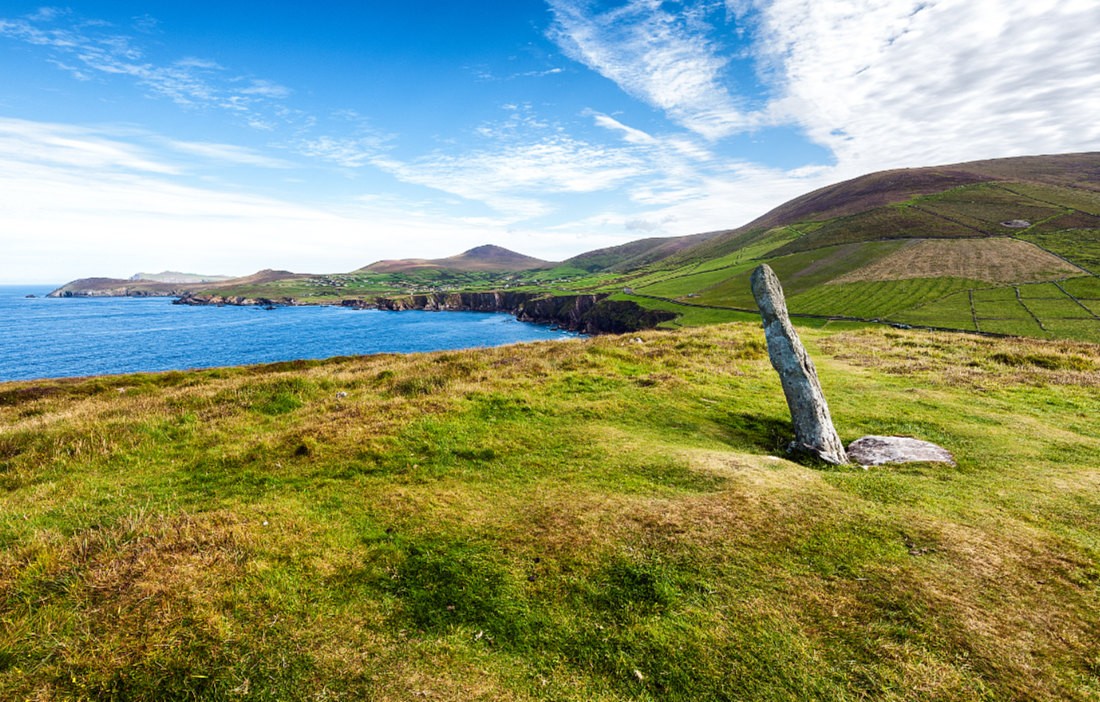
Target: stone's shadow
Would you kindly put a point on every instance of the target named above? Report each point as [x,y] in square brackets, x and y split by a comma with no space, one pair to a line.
[760,433]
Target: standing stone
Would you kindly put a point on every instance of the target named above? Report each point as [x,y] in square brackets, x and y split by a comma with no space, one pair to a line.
[814,432]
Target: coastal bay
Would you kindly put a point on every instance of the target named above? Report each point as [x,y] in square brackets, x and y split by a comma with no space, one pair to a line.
[54,338]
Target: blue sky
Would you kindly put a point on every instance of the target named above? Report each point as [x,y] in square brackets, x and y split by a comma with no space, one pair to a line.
[321,137]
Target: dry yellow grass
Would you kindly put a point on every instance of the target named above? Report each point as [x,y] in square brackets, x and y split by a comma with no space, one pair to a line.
[998,260]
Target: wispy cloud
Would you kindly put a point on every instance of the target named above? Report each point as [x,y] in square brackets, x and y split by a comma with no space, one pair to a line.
[523,162]
[908,82]
[228,153]
[661,57]
[114,208]
[75,147]
[517,179]
[344,151]
[90,49]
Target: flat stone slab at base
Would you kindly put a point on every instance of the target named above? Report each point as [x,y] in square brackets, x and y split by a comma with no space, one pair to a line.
[877,450]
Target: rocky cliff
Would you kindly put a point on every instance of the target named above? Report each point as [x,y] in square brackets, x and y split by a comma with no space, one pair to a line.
[589,313]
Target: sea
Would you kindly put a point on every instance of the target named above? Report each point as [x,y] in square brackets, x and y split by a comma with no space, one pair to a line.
[43,337]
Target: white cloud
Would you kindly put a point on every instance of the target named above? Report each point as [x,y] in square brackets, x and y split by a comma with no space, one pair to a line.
[74,147]
[228,153]
[913,82]
[660,57]
[346,152]
[79,202]
[266,88]
[878,82]
[630,134]
[92,49]
[513,178]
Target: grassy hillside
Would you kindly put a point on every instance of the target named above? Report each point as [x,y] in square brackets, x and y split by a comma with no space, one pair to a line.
[1009,246]
[601,519]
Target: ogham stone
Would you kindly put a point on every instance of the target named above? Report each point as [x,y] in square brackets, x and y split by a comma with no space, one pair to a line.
[814,432]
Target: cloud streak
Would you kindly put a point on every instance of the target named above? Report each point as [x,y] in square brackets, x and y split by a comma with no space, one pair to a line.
[662,58]
[513,180]
[914,82]
[90,50]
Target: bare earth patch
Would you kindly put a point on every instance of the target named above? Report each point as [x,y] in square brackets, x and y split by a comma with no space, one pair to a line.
[998,260]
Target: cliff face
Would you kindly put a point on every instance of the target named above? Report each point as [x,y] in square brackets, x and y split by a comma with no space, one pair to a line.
[590,314]
[189,298]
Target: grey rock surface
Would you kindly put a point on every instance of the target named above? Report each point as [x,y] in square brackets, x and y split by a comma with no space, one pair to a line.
[877,450]
[814,432]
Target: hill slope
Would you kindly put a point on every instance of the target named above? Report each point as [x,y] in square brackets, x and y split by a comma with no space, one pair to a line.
[1006,246]
[636,254]
[1009,246]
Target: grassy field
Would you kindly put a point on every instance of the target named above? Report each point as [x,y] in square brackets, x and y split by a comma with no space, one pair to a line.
[993,260]
[602,519]
[1081,246]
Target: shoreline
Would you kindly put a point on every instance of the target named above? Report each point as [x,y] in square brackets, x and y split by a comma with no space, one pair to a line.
[592,314]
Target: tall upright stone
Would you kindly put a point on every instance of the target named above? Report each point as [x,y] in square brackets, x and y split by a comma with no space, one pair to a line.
[814,432]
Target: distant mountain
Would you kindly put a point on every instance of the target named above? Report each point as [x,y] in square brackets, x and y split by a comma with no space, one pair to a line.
[485,259]
[177,277]
[143,287]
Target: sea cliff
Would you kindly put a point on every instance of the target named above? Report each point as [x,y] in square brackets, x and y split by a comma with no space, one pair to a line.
[592,313]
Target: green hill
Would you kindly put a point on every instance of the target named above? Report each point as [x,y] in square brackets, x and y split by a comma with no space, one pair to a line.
[597,519]
[1010,246]
[1007,246]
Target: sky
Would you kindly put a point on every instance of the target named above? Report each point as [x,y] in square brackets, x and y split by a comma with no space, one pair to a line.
[320,137]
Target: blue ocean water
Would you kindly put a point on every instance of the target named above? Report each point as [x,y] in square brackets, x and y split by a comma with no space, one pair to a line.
[43,337]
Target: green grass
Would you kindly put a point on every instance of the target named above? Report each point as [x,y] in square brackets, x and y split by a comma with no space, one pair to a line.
[798,272]
[950,312]
[1080,246]
[603,519]
[1080,199]
[891,222]
[984,206]
[876,299]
